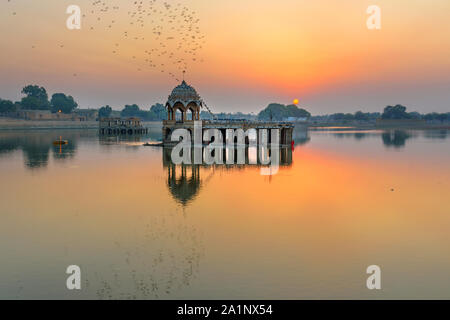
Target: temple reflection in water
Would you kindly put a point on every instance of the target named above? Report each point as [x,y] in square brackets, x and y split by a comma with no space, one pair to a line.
[37,146]
[184,180]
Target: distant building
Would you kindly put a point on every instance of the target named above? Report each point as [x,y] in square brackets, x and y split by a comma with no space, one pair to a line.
[86,114]
[34,114]
[185,101]
[37,115]
[119,126]
[295,119]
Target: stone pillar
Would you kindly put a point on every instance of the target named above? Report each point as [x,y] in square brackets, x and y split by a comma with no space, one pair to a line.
[247,159]
[289,133]
[224,155]
[224,136]
[283,155]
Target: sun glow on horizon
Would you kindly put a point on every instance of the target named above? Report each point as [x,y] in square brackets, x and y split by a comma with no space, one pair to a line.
[251,54]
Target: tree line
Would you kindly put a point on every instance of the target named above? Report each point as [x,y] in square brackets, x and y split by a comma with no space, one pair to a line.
[36,98]
[279,112]
[156,113]
[397,112]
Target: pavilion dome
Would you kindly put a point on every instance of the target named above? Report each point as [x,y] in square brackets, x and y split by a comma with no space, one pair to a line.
[185,94]
[185,189]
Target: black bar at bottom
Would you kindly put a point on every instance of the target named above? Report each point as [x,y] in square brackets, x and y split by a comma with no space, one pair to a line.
[228,309]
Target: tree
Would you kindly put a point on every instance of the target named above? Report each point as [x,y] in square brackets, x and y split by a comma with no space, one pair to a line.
[36,98]
[442,117]
[296,112]
[104,112]
[35,92]
[159,111]
[414,115]
[7,106]
[62,103]
[134,111]
[131,111]
[338,116]
[361,116]
[273,111]
[278,112]
[349,117]
[396,112]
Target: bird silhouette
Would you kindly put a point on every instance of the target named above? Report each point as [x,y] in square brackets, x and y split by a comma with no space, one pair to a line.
[163,36]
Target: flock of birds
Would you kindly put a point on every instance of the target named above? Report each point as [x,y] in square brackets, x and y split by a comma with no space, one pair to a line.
[163,36]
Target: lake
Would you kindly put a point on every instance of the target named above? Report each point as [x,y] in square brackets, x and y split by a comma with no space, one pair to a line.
[140,227]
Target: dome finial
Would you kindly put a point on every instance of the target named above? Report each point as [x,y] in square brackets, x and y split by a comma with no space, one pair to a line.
[184,92]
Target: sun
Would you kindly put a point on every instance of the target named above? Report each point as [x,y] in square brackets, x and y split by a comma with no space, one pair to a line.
[295,101]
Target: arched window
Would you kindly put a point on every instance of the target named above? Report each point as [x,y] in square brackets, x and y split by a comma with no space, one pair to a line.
[191,114]
[194,110]
[178,114]
[170,113]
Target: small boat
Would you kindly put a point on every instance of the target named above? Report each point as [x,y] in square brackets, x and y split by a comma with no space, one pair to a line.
[153,144]
[60,142]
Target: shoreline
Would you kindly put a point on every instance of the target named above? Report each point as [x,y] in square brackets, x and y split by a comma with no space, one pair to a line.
[8,124]
[19,124]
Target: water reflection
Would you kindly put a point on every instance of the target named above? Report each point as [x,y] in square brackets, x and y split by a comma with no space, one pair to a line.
[395,138]
[164,258]
[36,146]
[142,230]
[114,140]
[183,187]
[359,135]
[67,151]
[301,136]
[436,134]
[184,182]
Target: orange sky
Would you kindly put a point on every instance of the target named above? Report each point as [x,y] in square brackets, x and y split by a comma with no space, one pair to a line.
[254,52]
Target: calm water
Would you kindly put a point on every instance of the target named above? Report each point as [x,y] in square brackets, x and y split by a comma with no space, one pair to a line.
[142,228]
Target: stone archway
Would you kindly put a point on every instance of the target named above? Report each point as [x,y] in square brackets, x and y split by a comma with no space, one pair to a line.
[191,114]
[195,109]
[178,114]
[167,134]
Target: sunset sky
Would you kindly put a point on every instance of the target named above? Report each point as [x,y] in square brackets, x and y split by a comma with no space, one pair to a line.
[248,53]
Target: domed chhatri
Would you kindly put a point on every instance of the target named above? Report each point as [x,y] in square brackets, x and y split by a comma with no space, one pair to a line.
[185,99]
[183,112]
